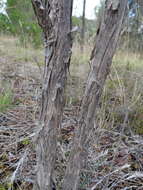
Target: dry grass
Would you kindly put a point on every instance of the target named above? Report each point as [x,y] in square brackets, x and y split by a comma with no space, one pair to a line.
[116,145]
[11,49]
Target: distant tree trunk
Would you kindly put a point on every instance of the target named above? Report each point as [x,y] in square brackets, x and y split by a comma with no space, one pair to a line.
[83,27]
[54,17]
[101,59]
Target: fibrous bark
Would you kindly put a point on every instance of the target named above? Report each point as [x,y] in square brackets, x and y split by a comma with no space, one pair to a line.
[101,59]
[54,17]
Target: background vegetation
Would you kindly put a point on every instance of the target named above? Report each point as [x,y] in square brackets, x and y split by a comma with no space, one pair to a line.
[21,22]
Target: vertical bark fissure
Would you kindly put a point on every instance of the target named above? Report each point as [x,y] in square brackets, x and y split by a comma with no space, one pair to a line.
[103,52]
[54,17]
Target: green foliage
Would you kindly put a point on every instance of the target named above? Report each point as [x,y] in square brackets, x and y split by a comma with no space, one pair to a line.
[4,24]
[5,100]
[21,22]
[6,186]
[2,187]
[26,141]
[76,21]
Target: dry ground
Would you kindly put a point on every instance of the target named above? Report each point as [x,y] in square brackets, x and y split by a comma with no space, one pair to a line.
[116,147]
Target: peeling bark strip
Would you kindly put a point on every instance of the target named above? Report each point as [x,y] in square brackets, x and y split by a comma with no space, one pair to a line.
[54,17]
[106,42]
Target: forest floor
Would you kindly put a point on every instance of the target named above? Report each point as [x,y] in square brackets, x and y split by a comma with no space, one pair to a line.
[116,148]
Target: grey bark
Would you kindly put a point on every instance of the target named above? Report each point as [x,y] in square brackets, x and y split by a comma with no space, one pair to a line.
[83,27]
[54,17]
[101,59]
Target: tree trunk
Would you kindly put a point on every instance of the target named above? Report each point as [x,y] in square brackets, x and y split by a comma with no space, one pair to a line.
[54,17]
[101,59]
[83,27]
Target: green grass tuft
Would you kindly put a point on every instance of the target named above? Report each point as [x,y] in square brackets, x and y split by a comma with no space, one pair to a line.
[5,100]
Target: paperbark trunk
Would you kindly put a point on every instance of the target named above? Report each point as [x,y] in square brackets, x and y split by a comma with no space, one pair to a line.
[101,59]
[54,17]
